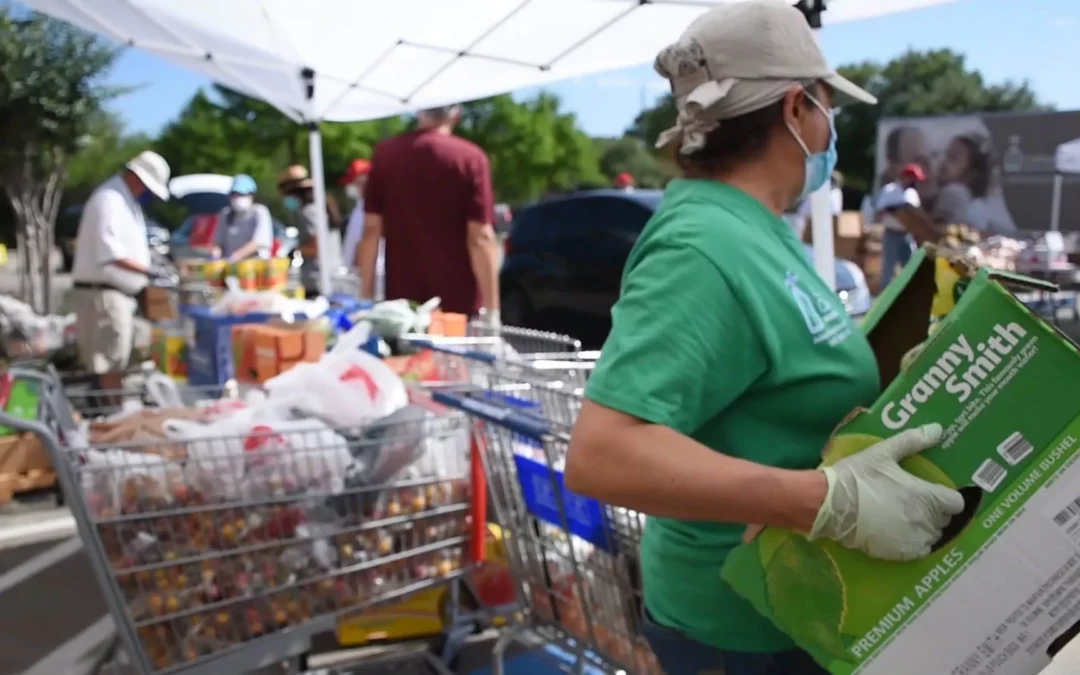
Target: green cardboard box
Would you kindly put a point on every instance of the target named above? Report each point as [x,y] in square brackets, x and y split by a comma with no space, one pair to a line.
[18,398]
[1000,595]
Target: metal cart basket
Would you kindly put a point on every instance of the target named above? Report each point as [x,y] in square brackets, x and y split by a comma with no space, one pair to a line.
[575,559]
[219,554]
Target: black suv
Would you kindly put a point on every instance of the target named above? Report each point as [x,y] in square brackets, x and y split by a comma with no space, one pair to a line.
[565,255]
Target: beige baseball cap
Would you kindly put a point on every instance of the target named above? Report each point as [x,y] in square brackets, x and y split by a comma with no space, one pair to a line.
[742,56]
[153,171]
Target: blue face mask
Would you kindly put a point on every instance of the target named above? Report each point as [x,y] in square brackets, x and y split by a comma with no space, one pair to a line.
[819,165]
[291,203]
[145,197]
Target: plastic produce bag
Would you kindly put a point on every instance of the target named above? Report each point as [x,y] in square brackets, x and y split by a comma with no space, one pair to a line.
[256,454]
[112,479]
[347,387]
[238,302]
[393,318]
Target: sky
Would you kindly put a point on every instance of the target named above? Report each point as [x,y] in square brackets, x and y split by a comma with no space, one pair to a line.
[1033,40]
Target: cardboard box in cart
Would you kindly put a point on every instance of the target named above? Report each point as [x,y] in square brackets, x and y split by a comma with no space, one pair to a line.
[1000,595]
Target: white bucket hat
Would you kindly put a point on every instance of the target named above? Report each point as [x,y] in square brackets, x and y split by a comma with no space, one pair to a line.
[153,171]
[740,57]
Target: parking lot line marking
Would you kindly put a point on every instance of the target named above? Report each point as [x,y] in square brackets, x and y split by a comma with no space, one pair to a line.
[72,656]
[38,563]
[38,530]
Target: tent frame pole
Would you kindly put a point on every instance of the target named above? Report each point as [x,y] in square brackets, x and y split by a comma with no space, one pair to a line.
[1055,203]
[318,179]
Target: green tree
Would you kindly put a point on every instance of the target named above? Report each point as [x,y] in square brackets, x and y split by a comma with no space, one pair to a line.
[534,148]
[50,92]
[225,132]
[103,149]
[630,154]
[651,122]
[936,82]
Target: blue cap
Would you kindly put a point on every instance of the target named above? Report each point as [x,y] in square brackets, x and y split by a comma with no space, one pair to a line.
[243,184]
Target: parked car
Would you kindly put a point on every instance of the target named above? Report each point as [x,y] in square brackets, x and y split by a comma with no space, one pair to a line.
[204,195]
[565,255]
[67,228]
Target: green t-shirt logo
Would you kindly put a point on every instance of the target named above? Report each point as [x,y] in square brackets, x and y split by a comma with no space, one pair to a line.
[824,319]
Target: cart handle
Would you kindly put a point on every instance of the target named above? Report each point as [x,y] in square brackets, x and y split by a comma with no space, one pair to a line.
[473,354]
[526,425]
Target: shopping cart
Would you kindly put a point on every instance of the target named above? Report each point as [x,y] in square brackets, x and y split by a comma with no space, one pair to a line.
[574,558]
[222,554]
[531,353]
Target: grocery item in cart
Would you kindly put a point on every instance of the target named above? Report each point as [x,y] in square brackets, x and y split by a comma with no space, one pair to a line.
[247,273]
[393,318]
[275,274]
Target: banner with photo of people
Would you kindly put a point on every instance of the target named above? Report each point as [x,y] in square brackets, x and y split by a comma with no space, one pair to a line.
[992,171]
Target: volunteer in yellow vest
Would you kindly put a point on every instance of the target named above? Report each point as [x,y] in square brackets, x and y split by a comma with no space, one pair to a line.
[730,361]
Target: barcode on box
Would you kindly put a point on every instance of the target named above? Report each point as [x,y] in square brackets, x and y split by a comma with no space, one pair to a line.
[989,475]
[1015,448]
[1068,513]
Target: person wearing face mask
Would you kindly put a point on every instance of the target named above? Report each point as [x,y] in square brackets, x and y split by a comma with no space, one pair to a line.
[354,180]
[112,261]
[730,361]
[245,229]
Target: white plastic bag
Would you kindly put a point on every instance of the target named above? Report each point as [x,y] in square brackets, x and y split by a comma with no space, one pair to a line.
[347,387]
[393,318]
[255,454]
[107,475]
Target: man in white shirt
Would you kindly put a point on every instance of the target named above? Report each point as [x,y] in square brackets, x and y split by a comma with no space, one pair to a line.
[897,243]
[112,261]
[354,180]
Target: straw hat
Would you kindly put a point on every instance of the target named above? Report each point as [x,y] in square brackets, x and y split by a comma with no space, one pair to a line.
[296,176]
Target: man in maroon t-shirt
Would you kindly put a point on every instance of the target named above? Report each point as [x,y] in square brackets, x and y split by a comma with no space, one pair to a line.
[428,194]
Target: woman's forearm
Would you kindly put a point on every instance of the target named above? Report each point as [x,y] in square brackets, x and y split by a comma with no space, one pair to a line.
[660,472]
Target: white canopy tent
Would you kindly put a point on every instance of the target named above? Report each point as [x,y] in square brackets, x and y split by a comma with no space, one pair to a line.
[1066,161]
[351,60]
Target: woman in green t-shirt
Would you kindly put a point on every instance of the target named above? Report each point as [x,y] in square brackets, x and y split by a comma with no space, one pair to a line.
[730,361]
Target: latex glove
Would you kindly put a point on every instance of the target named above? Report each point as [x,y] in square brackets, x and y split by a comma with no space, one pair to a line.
[875,506]
[490,318]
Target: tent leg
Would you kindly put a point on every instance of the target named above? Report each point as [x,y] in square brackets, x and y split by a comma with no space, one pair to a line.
[322,227]
[1055,204]
[821,222]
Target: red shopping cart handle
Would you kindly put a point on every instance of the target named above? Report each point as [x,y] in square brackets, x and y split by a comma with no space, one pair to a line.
[478,544]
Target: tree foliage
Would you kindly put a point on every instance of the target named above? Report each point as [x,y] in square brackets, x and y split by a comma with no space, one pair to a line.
[935,82]
[50,92]
[631,155]
[103,148]
[534,148]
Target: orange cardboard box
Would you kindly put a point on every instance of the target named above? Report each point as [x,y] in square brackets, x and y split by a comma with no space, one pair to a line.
[243,346]
[447,324]
[280,347]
